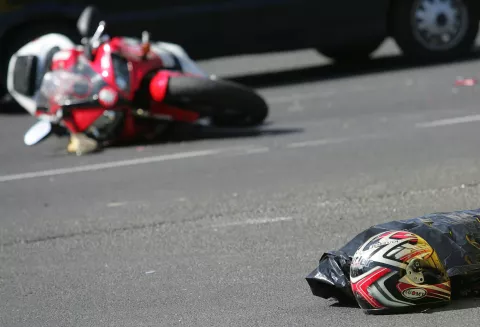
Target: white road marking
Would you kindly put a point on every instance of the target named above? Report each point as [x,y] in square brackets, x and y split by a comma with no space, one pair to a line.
[449,121]
[254,222]
[318,142]
[332,141]
[244,151]
[331,92]
[112,164]
[234,150]
[301,96]
[116,204]
[256,150]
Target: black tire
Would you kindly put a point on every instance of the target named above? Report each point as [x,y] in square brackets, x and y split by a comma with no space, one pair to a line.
[227,103]
[351,53]
[403,31]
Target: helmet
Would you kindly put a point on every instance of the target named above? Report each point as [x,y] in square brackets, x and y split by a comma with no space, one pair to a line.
[398,271]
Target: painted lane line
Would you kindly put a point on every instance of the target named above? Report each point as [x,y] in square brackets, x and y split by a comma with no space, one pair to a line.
[301,96]
[449,121]
[116,204]
[317,142]
[332,141]
[112,164]
[256,150]
[254,222]
[332,92]
[243,151]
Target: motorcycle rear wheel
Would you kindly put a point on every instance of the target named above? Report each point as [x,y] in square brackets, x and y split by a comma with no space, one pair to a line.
[228,104]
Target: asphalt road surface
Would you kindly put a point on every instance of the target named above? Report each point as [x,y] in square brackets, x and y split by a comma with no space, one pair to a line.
[220,229]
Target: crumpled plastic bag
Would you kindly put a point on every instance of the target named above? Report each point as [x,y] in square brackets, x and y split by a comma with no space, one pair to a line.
[455,236]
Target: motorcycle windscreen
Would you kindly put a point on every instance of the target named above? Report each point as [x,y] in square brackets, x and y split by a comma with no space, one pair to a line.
[78,85]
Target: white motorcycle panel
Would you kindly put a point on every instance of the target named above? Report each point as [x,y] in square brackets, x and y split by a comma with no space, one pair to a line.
[40,48]
[188,65]
[168,50]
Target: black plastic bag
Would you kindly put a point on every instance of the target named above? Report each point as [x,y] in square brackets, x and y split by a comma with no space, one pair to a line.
[454,235]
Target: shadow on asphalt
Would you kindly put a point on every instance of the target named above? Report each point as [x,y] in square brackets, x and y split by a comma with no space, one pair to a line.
[345,70]
[460,304]
[191,133]
[187,133]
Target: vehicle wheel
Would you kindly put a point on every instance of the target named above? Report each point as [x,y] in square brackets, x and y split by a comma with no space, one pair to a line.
[21,36]
[351,53]
[435,29]
[227,103]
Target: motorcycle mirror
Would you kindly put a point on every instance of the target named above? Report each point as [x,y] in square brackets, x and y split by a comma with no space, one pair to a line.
[38,132]
[88,21]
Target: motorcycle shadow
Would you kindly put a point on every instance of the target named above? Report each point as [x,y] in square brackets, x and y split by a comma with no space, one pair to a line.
[190,133]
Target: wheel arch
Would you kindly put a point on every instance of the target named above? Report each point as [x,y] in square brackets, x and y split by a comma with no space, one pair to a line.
[393,3]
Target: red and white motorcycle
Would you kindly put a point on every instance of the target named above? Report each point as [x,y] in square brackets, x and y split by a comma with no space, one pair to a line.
[114,89]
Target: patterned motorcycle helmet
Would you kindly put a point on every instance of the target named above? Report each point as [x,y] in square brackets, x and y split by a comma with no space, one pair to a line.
[398,271]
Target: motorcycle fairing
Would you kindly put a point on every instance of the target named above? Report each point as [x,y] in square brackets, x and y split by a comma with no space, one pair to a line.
[32,59]
[37,53]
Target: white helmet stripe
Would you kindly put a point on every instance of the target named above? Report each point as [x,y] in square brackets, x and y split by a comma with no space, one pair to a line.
[362,276]
[380,256]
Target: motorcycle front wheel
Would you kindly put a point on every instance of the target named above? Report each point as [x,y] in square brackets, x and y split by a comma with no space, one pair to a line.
[228,104]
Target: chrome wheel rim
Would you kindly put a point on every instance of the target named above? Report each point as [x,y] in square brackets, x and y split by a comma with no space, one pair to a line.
[439,25]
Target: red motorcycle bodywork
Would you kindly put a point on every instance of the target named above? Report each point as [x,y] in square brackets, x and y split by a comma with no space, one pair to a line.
[139,66]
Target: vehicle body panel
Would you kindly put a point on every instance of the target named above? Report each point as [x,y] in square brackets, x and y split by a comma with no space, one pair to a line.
[216,28]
